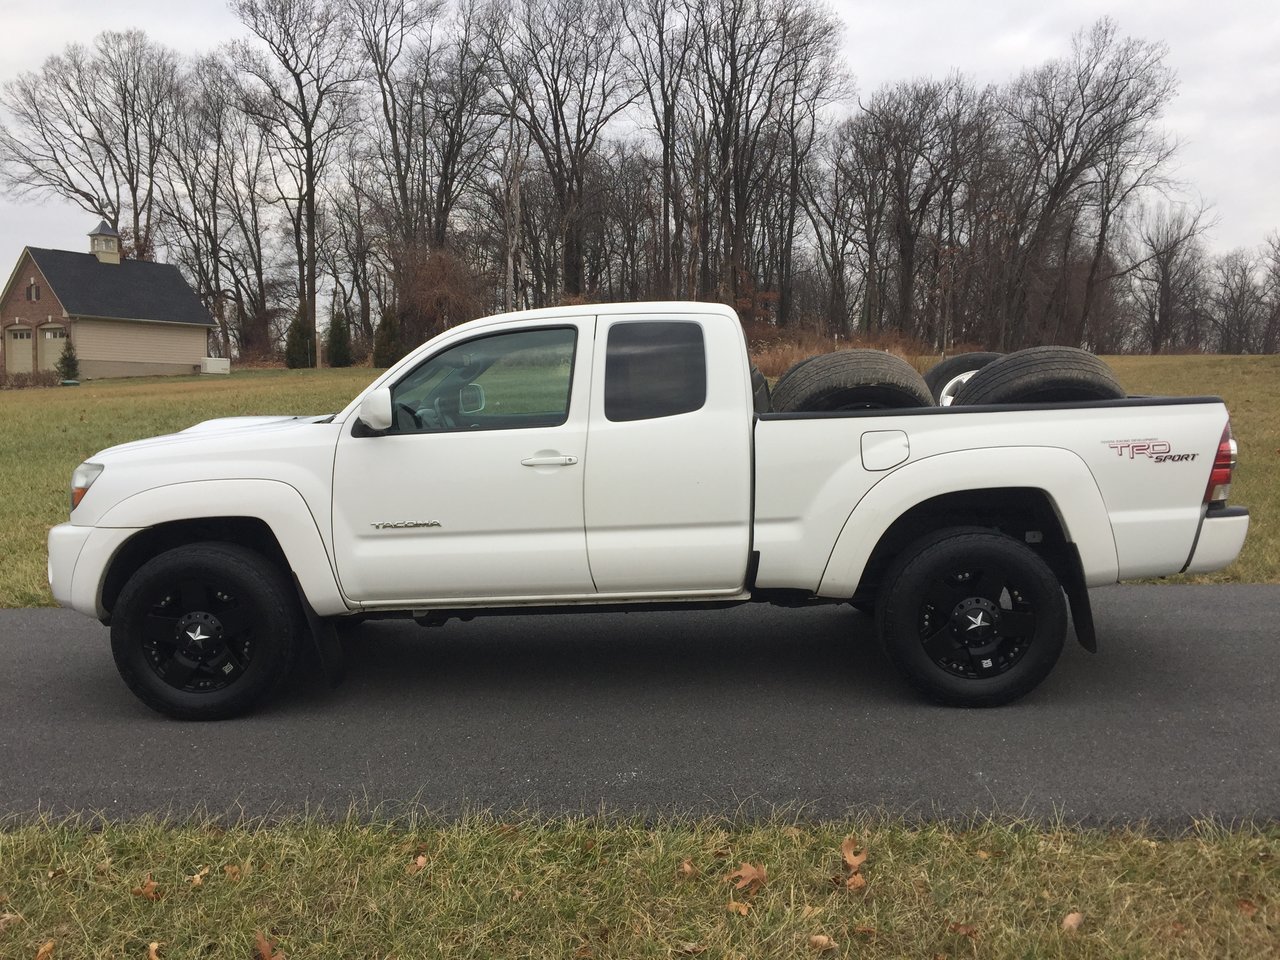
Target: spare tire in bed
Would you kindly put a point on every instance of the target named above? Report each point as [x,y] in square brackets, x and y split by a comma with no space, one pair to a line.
[851,380]
[1041,375]
[948,376]
[791,370]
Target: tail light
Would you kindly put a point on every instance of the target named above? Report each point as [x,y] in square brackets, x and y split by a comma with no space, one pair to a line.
[1224,462]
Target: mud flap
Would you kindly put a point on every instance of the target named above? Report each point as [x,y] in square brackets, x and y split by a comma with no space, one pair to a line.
[1071,572]
[325,636]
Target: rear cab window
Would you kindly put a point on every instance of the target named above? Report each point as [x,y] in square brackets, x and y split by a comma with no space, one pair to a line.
[654,368]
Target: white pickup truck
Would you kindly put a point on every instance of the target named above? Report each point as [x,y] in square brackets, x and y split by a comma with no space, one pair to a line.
[611,456]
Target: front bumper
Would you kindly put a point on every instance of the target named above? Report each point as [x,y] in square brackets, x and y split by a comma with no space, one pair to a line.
[78,561]
[1221,537]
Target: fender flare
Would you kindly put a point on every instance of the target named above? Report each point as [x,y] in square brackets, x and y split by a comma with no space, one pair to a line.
[1061,474]
[280,506]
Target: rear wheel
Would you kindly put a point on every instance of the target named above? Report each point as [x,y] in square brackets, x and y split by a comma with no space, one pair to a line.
[205,631]
[972,617]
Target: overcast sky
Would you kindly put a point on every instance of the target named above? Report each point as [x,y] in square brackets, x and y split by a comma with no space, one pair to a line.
[1226,54]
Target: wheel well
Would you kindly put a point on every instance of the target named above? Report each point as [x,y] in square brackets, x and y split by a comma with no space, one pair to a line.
[247,531]
[1024,513]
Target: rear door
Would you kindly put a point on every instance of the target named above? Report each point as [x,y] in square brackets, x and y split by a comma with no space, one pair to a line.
[668,481]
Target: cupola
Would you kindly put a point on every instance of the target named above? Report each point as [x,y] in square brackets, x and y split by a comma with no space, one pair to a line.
[104,243]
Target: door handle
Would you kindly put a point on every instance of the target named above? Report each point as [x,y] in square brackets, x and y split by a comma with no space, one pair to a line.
[549,461]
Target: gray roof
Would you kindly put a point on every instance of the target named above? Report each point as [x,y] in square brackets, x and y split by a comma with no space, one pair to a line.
[104,229]
[128,290]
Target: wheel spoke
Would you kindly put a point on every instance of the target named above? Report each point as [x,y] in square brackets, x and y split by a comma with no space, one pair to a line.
[195,596]
[943,596]
[940,644]
[986,583]
[177,670]
[160,628]
[235,620]
[1015,624]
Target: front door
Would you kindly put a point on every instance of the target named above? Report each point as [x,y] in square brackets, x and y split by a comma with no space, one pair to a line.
[475,492]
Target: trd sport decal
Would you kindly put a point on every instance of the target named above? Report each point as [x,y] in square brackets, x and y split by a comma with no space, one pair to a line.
[1160,451]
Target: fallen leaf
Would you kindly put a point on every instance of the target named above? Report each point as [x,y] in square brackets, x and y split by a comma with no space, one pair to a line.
[153,951]
[583,952]
[8,920]
[517,894]
[794,832]
[416,865]
[197,879]
[984,855]
[691,948]
[854,857]
[1071,922]
[963,930]
[46,951]
[588,845]
[102,866]
[741,909]
[233,872]
[865,931]
[749,877]
[1178,928]
[508,829]
[686,869]
[149,889]
[821,942]
[808,913]
[265,949]
[855,881]
[55,874]
[721,852]
[1247,907]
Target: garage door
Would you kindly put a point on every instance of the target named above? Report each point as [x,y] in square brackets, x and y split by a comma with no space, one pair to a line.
[17,350]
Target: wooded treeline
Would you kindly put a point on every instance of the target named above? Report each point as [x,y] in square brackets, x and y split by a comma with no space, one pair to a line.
[384,169]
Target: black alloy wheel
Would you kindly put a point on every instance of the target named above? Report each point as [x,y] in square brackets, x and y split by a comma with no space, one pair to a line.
[972,617]
[205,631]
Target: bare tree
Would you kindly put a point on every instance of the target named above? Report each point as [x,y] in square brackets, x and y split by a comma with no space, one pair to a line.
[564,80]
[299,90]
[90,126]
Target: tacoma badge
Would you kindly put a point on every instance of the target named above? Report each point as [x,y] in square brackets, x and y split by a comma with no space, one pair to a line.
[402,524]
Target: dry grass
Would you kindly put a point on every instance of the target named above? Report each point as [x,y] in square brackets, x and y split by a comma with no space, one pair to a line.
[601,888]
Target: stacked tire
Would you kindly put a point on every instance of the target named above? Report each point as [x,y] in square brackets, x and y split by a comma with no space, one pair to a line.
[851,380]
[1041,375]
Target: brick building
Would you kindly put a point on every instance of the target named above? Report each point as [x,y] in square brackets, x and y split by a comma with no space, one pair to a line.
[126,318]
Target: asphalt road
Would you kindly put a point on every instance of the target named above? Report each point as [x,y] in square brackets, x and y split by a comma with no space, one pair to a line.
[730,712]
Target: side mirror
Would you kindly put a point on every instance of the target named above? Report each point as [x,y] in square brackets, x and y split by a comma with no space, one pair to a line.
[471,398]
[375,409]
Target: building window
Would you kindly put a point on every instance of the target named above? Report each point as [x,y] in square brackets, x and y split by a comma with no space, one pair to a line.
[20,334]
[33,291]
[56,333]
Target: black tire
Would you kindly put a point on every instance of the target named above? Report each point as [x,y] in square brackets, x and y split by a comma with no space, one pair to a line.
[759,391]
[793,369]
[852,380]
[243,605]
[931,596]
[942,377]
[1041,375]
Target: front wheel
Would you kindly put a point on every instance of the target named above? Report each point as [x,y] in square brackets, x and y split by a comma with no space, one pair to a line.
[972,617]
[205,631]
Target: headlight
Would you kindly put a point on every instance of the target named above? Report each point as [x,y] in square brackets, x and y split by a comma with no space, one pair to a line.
[82,479]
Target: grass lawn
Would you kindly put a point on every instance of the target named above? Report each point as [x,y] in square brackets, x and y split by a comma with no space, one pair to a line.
[46,432]
[597,888]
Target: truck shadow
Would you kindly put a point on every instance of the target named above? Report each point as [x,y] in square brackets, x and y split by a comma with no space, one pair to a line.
[819,651]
